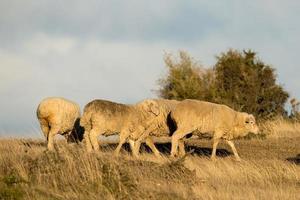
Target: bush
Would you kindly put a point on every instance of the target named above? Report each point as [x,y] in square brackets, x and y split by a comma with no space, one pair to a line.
[247,84]
[186,79]
[238,79]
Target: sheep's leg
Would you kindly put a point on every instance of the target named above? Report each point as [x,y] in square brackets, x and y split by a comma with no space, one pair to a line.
[152,146]
[141,138]
[146,133]
[123,137]
[69,137]
[94,133]
[87,140]
[231,144]
[214,150]
[135,145]
[136,148]
[132,146]
[177,135]
[181,147]
[45,127]
[53,131]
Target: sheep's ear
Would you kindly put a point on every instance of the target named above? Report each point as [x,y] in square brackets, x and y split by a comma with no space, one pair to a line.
[249,118]
[153,107]
[131,128]
[245,118]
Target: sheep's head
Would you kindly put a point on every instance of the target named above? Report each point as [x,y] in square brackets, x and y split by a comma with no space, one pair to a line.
[249,123]
[76,135]
[150,106]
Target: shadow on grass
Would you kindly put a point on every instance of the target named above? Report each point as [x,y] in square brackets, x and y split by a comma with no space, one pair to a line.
[165,149]
[295,160]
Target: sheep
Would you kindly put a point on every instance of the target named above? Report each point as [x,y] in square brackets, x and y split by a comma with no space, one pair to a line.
[160,126]
[102,117]
[220,121]
[57,115]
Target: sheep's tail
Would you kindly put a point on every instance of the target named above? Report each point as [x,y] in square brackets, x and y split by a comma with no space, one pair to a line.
[38,112]
[85,120]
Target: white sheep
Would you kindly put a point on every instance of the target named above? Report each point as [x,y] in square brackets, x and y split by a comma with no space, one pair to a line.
[102,117]
[159,126]
[57,115]
[220,121]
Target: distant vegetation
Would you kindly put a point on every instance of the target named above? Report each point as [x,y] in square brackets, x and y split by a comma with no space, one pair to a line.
[238,79]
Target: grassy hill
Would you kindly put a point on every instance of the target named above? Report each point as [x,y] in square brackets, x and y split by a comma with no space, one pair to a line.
[269,170]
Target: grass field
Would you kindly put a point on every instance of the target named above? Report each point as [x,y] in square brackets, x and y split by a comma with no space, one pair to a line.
[269,170]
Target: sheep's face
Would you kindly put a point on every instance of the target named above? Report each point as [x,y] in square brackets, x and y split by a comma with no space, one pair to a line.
[150,106]
[76,135]
[250,124]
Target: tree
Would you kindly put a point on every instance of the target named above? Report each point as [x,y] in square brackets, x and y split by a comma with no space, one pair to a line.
[238,79]
[295,114]
[186,79]
[247,84]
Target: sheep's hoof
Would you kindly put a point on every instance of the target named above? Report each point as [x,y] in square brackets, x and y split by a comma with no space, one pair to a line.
[89,150]
[184,154]
[116,154]
[159,156]
[173,155]
[214,159]
[135,155]
[49,151]
[172,159]
[238,159]
[181,155]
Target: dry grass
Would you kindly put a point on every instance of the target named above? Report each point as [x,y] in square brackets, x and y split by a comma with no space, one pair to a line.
[269,170]
[281,128]
[261,179]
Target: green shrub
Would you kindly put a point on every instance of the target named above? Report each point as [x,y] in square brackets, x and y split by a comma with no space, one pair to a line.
[238,79]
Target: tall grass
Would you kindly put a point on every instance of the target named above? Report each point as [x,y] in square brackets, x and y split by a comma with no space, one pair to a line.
[261,179]
[280,127]
[27,171]
[71,173]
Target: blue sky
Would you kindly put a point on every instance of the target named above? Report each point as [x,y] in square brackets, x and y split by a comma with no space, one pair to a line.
[114,50]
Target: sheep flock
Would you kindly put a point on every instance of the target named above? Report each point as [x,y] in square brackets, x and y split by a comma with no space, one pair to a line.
[140,122]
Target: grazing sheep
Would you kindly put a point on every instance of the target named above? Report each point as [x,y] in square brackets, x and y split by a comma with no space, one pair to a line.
[222,122]
[57,115]
[102,117]
[160,126]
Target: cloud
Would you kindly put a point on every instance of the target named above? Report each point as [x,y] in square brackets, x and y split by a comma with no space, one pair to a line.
[110,20]
[77,69]
[114,49]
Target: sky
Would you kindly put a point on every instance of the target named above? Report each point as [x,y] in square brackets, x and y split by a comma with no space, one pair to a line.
[109,49]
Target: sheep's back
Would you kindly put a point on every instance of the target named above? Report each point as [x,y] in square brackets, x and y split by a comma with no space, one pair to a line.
[109,116]
[59,111]
[204,117]
[57,106]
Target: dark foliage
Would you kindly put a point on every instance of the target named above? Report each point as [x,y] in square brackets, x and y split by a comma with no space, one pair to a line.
[238,79]
[247,84]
